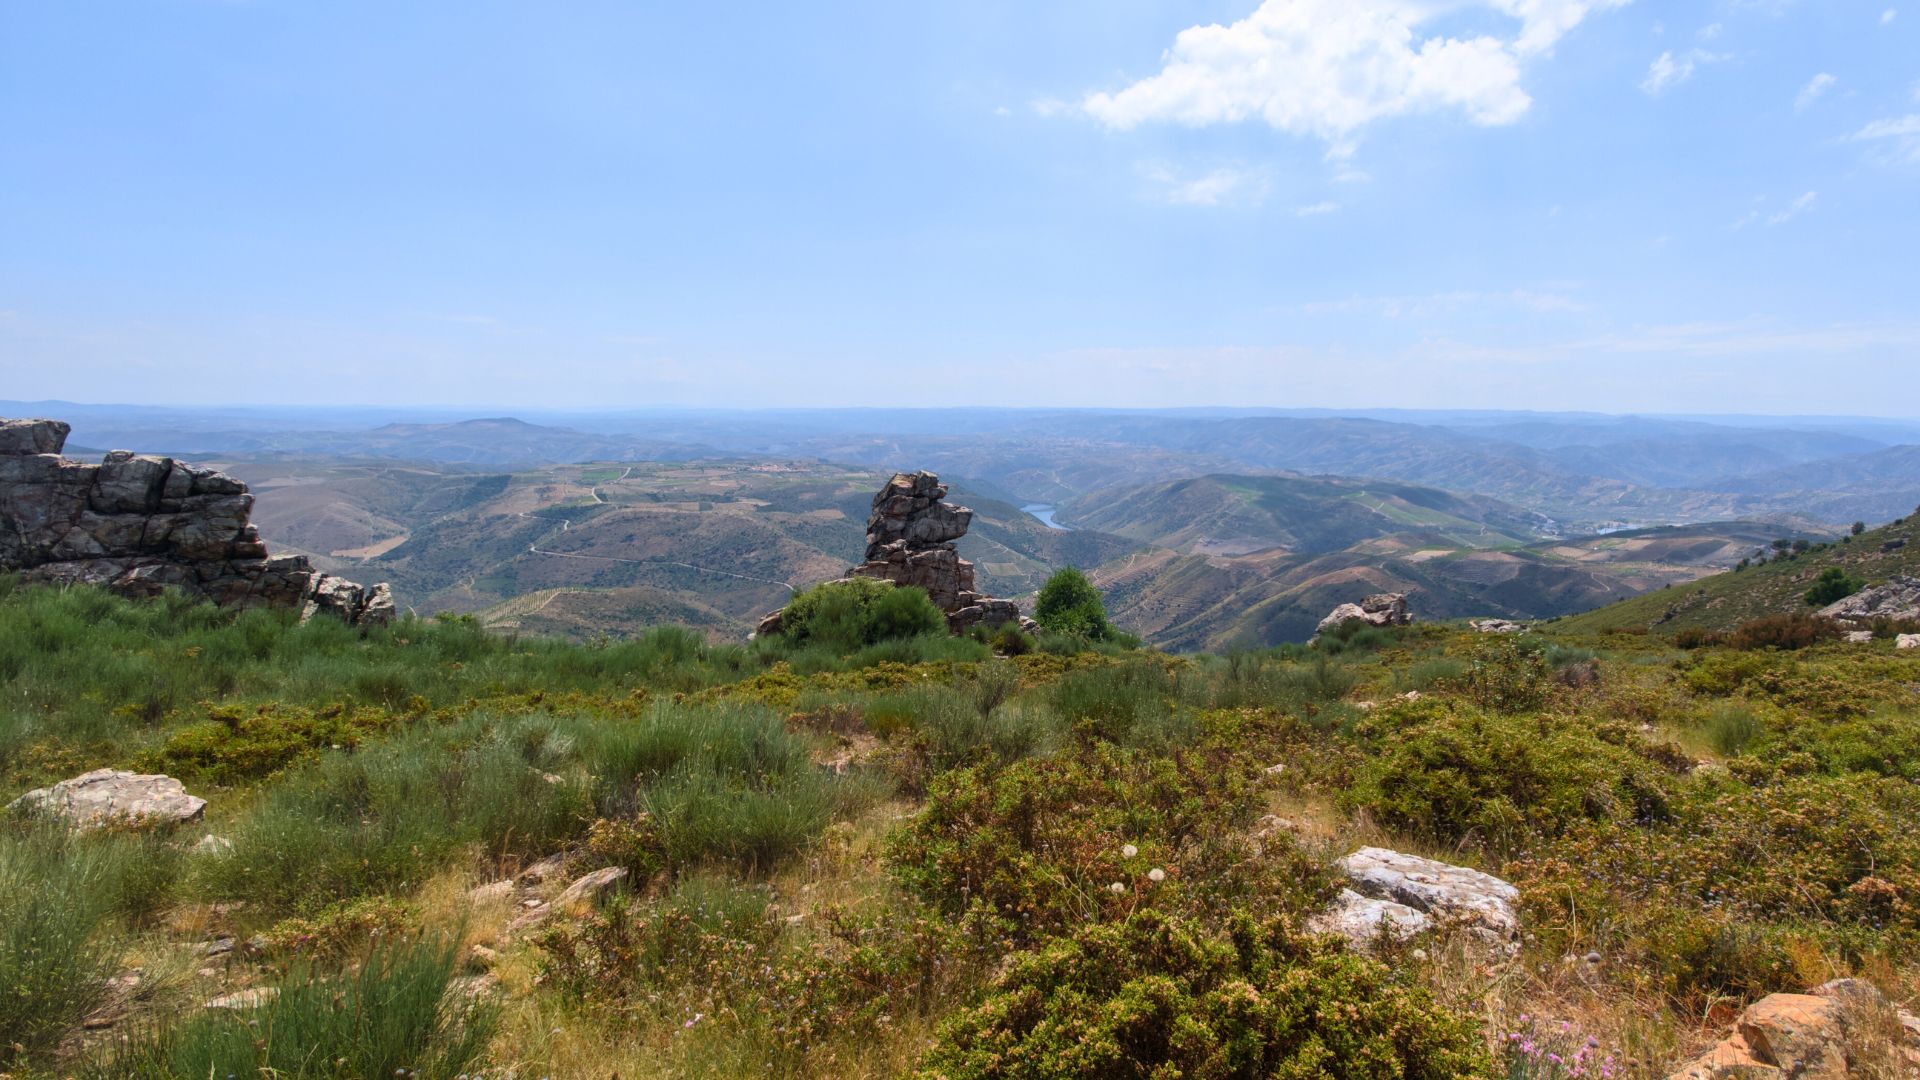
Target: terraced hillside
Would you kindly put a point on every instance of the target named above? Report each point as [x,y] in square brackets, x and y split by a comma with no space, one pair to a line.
[1725,600]
[1240,515]
[1252,561]
[601,548]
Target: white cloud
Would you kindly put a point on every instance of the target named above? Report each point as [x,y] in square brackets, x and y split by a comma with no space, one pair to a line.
[1901,133]
[1668,71]
[1217,187]
[1328,68]
[1711,31]
[1317,209]
[1779,217]
[1795,208]
[1887,17]
[1811,92]
[1891,128]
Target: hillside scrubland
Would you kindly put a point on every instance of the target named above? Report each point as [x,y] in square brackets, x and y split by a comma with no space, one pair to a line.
[444,852]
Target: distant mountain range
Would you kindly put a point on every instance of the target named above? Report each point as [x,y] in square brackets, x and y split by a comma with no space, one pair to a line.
[1582,470]
[1208,528]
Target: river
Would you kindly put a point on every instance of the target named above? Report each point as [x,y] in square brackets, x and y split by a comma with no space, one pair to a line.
[1043,513]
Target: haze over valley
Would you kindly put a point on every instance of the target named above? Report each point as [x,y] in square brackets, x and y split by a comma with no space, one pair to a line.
[1211,529]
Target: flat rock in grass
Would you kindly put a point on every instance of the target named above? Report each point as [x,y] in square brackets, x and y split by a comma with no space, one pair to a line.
[1907,641]
[1364,919]
[258,997]
[547,869]
[591,889]
[110,796]
[1480,901]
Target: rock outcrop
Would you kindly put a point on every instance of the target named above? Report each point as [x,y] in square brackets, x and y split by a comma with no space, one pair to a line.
[1498,626]
[1401,895]
[1380,609]
[106,797]
[1842,1029]
[138,524]
[1898,598]
[910,542]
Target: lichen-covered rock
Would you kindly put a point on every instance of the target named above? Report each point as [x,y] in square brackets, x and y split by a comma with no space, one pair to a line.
[1499,626]
[1479,901]
[138,524]
[1380,609]
[106,797]
[1907,641]
[32,436]
[1365,919]
[1897,598]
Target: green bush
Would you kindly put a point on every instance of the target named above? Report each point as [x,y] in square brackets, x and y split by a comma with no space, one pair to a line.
[850,615]
[56,950]
[397,1013]
[1155,996]
[1833,584]
[1730,726]
[1069,604]
[711,949]
[1037,847]
[362,823]
[1135,703]
[1456,774]
[1707,903]
[1507,675]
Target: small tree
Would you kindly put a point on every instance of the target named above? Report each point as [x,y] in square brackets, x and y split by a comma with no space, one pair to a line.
[1832,585]
[1859,527]
[1069,604]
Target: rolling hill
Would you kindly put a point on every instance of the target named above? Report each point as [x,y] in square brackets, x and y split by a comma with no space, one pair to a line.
[1241,515]
[1724,601]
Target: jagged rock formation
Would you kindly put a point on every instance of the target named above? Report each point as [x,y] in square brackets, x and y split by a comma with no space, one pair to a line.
[1842,1029]
[1380,609]
[107,797]
[1898,598]
[1498,626]
[137,524]
[910,536]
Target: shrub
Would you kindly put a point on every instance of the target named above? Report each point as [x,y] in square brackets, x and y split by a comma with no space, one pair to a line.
[710,949]
[1730,726]
[1008,640]
[1069,604]
[1787,632]
[1708,901]
[1463,775]
[1135,703]
[1507,675]
[1037,847]
[1693,637]
[363,823]
[55,954]
[1833,584]
[396,1013]
[1157,996]
[858,612]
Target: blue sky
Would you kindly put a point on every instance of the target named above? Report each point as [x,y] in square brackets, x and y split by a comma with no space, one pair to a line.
[1592,204]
